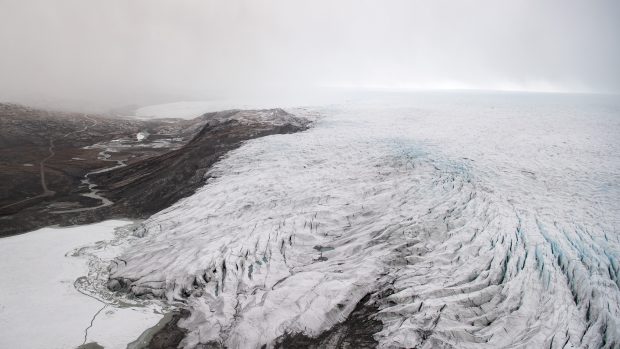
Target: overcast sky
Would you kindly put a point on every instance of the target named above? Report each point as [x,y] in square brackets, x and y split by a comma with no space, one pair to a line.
[113,53]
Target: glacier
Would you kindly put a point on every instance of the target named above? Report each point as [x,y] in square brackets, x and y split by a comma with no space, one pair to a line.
[469,220]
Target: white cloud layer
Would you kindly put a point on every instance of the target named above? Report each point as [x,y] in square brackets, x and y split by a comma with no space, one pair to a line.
[117,52]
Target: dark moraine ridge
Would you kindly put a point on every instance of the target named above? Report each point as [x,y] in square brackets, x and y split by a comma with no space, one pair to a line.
[146,187]
[355,332]
[152,182]
[171,335]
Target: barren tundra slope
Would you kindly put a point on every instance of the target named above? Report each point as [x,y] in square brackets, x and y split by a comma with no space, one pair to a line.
[145,187]
[30,137]
[443,222]
[68,168]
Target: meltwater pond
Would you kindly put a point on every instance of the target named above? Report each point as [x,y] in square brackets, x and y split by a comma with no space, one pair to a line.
[470,220]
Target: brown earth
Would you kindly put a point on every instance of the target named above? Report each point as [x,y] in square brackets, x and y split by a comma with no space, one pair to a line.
[36,144]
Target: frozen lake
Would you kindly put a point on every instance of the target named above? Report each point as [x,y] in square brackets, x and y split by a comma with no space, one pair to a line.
[40,306]
[473,220]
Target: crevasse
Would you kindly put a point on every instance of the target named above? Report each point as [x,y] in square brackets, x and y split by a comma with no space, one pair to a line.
[472,221]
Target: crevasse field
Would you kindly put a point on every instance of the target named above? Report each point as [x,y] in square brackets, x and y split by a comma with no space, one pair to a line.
[471,220]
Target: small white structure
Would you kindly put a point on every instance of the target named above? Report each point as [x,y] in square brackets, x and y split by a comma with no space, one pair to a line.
[142,136]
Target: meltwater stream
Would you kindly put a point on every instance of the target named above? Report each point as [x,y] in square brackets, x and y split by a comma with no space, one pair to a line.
[472,221]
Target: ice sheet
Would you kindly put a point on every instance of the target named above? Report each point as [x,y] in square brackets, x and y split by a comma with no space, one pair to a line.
[492,219]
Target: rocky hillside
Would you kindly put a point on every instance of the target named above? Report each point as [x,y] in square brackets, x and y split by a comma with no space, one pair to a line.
[68,168]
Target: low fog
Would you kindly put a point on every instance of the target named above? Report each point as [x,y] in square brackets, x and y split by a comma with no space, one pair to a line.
[114,53]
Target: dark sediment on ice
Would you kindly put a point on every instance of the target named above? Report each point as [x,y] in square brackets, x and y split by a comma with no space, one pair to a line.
[171,334]
[355,332]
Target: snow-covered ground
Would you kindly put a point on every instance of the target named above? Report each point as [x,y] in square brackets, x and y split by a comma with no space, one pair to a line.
[286,99]
[492,220]
[190,110]
[44,297]
[182,110]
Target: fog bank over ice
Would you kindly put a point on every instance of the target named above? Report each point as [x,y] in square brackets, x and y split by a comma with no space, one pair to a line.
[77,54]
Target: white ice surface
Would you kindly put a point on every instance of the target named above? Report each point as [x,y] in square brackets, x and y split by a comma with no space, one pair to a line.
[492,219]
[190,110]
[39,305]
[193,109]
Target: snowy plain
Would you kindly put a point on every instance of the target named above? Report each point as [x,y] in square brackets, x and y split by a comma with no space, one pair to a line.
[291,99]
[41,306]
[192,109]
[474,220]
